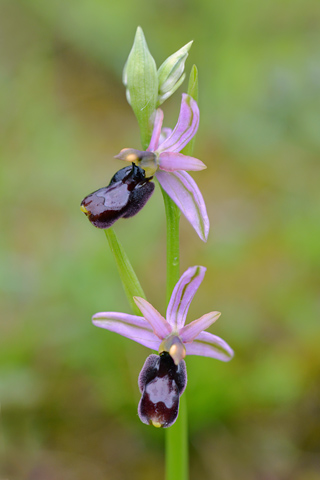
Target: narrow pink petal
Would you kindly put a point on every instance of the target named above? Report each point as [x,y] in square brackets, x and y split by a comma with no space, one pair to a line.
[130,326]
[208,345]
[165,132]
[190,331]
[170,162]
[160,326]
[182,296]
[154,142]
[185,193]
[186,127]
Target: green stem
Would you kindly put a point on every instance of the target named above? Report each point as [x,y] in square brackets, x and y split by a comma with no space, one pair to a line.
[128,277]
[177,464]
[177,435]
[173,255]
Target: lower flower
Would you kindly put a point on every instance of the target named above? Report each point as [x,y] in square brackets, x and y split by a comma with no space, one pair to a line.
[163,377]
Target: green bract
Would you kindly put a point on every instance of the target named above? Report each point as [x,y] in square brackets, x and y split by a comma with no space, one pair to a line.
[141,80]
[146,88]
[170,74]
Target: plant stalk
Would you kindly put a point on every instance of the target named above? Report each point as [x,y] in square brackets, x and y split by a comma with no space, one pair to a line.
[177,435]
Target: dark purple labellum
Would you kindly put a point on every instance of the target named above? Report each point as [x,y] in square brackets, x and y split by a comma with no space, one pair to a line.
[127,192]
[161,383]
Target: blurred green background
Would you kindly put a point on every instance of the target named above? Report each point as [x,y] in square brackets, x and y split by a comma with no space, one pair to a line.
[68,391]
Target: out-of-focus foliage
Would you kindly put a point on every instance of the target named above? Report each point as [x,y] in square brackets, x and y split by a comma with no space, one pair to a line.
[68,391]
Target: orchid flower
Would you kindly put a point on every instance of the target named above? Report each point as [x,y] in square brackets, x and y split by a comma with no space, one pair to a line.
[162,159]
[171,334]
[163,379]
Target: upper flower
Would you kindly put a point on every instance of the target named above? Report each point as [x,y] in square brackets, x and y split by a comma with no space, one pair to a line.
[171,334]
[162,159]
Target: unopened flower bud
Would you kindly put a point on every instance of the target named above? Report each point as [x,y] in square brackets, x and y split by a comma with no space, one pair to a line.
[170,74]
[141,81]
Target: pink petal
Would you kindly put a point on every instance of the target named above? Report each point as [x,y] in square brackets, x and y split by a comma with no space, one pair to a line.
[165,132]
[190,331]
[130,326]
[186,127]
[160,326]
[208,345]
[170,161]
[185,193]
[182,296]
[154,142]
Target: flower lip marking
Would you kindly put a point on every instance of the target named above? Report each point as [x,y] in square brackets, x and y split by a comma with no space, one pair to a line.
[161,383]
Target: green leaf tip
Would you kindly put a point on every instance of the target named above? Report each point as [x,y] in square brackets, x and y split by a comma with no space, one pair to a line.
[193,83]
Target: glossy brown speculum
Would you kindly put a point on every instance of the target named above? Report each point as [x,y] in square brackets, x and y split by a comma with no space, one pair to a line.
[126,194]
